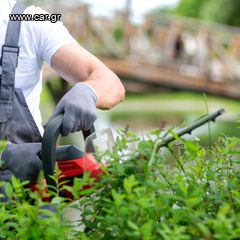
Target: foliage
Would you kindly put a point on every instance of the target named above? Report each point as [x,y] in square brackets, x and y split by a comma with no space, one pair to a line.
[194,197]
[26,216]
[191,194]
[118,33]
[222,11]
[191,8]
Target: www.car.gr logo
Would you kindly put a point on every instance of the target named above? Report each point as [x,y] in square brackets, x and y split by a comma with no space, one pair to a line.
[53,18]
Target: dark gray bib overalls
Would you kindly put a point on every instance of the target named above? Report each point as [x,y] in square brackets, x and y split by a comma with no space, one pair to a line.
[16,122]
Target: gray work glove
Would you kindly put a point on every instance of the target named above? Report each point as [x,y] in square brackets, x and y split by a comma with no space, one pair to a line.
[5,175]
[78,106]
[22,161]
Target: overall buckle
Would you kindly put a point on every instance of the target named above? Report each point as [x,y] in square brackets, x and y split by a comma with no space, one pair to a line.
[10,49]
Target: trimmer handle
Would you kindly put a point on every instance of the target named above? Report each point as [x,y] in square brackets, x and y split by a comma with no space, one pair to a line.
[49,141]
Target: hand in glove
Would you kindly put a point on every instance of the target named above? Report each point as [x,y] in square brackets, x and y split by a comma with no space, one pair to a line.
[22,161]
[78,107]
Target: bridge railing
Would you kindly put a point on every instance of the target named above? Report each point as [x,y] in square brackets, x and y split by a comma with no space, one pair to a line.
[197,47]
[188,46]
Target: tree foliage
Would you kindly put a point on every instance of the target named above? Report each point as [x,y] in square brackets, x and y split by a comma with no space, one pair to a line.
[190,8]
[222,11]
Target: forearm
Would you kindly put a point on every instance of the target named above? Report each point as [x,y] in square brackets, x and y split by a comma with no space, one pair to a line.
[107,86]
[75,64]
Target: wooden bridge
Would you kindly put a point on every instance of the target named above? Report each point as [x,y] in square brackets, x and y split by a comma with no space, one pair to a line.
[163,53]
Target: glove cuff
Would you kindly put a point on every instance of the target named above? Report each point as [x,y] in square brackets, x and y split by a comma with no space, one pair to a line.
[88,89]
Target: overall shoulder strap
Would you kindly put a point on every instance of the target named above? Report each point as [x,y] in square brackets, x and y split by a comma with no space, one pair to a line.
[13,28]
[10,52]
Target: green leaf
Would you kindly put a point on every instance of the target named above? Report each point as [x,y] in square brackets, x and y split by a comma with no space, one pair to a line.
[146,230]
[129,183]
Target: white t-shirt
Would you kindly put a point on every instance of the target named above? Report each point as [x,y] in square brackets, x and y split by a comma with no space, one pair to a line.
[38,42]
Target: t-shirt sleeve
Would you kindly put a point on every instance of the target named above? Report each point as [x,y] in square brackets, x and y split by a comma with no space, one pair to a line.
[49,36]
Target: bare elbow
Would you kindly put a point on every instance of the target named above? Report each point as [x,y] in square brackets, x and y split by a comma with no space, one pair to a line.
[115,97]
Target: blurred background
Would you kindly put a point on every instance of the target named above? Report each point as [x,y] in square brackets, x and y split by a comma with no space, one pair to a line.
[177,59]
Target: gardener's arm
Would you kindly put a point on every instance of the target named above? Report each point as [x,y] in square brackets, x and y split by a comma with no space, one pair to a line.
[75,64]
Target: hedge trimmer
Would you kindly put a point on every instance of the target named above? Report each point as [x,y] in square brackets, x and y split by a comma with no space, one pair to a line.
[73,162]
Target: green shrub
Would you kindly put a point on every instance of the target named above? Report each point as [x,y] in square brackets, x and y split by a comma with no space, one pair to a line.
[191,195]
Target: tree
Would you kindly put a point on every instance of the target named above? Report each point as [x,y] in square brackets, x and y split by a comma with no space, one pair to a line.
[190,8]
[222,11]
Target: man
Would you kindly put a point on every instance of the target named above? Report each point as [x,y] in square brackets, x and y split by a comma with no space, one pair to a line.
[95,86]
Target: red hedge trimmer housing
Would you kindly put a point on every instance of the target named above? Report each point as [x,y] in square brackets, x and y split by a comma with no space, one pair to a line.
[70,161]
